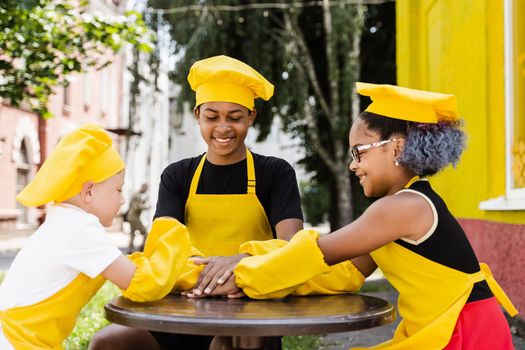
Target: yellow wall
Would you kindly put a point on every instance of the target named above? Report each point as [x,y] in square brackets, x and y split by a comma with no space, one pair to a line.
[457,47]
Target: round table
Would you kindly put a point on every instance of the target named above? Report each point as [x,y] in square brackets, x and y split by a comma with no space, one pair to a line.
[243,318]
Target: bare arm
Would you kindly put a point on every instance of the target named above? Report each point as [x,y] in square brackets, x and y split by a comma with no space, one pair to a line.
[286,228]
[120,272]
[389,218]
[365,264]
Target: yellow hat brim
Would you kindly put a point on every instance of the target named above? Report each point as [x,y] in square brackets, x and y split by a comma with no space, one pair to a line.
[409,104]
[224,92]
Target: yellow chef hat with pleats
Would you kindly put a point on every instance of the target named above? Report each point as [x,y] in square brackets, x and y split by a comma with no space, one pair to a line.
[409,104]
[82,155]
[225,79]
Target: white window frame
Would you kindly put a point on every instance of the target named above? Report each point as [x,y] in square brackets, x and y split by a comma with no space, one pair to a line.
[514,199]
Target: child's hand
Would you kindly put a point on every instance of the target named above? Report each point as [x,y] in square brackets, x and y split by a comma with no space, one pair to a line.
[228,289]
[217,272]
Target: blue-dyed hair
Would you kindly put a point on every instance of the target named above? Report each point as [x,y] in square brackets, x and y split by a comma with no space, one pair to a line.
[428,147]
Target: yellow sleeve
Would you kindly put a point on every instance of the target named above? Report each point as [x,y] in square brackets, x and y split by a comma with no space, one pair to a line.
[278,273]
[340,278]
[165,255]
[261,247]
[190,273]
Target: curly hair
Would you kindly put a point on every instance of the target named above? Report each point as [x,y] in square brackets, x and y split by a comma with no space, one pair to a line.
[429,148]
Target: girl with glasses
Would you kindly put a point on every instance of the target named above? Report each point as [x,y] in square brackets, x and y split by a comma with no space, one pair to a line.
[446,298]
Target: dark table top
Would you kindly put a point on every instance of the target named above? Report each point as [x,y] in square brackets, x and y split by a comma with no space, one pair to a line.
[248,317]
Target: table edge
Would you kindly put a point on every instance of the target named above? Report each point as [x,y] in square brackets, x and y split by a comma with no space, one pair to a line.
[251,326]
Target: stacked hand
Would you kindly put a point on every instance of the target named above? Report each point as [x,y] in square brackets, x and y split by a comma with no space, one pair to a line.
[217,278]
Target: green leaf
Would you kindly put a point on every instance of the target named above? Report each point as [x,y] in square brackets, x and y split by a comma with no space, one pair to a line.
[47,114]
[56,39]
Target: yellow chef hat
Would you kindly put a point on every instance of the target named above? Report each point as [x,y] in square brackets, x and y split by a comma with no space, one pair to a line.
[408,104]
[82,155]
[225,79]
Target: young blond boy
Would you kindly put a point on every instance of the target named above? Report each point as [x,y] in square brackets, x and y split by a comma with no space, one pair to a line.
[68,258]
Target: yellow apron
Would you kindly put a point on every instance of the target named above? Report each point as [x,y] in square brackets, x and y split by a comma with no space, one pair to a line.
[219,224]
[47,324]
[431,297]
[227,224]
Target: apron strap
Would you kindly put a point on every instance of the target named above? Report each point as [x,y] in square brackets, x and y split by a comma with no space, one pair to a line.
[251,172]
[498,292]
[197,175]
[250,167]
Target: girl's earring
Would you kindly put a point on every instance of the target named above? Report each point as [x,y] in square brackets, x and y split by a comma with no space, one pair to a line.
[396,162]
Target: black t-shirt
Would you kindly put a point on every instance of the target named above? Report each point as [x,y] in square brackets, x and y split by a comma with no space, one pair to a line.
[276,186]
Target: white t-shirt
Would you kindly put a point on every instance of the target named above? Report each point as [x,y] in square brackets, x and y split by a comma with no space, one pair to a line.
[69,242]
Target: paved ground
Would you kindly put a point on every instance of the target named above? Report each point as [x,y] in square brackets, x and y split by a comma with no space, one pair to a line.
[9,246]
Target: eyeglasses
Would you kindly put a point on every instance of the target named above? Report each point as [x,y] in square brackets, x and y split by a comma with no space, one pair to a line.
[356,150]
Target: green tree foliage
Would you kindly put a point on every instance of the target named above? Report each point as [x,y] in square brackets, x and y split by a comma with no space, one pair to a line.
[44,41]
[315,200]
